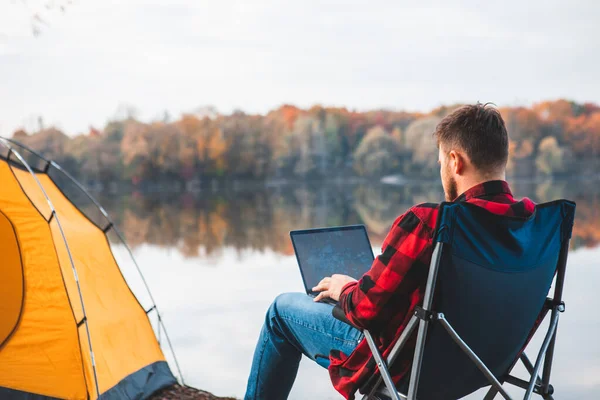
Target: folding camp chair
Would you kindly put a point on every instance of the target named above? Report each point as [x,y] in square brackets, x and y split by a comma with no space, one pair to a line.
[485,293]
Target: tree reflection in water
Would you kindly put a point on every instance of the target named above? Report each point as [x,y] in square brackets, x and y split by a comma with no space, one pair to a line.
[259,217]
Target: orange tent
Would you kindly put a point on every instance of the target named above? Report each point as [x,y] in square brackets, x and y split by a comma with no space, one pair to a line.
[70,327]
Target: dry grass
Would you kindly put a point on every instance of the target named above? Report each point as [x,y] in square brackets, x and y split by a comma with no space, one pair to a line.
[178,392]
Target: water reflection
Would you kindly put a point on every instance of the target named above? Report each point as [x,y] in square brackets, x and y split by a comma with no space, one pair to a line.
[216,259]
[202,224]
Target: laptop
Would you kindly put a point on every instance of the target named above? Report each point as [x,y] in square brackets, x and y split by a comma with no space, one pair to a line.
[322,252]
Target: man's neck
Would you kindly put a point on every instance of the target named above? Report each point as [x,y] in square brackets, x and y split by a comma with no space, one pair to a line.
[468,183]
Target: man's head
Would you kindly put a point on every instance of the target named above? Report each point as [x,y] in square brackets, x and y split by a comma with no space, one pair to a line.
[473,148]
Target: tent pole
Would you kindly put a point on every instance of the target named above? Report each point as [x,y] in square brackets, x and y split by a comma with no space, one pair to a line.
[130,252]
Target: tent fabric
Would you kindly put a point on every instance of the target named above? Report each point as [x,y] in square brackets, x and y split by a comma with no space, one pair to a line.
[138,385]
[10,394]
[46,351]
[11,284]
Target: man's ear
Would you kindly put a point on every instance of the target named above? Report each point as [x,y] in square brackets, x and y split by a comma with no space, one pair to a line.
[457,162]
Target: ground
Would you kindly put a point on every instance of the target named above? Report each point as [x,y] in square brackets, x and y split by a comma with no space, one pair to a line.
[178,392]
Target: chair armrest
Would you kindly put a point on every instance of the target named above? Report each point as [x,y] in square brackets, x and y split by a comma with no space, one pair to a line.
[339,314]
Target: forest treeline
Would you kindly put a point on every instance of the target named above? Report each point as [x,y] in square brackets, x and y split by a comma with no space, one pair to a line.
[549,138]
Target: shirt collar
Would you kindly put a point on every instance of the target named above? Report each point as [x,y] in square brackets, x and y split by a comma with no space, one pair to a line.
[488,188]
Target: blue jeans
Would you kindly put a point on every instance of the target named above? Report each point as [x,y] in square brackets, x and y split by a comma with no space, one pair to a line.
[295,325]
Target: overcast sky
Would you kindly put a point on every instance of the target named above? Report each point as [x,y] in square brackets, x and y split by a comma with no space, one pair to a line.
[255,55]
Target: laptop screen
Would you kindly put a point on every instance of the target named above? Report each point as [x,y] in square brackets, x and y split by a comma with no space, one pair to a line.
[327,251]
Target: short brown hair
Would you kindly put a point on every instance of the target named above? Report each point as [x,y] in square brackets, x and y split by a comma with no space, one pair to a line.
[479,130]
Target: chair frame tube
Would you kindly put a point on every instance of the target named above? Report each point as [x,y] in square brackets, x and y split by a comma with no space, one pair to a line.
[385,374]
[538,364]
[410,327]
[527,363]
[471,354]
[491,393]
[558,293]
[523,384]
[424,324]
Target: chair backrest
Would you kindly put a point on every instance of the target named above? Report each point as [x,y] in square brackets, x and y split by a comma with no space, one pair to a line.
[494,276]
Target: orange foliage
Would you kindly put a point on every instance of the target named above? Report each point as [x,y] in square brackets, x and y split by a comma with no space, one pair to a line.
[290,142]
[583,132]
[289,115]
[559,110]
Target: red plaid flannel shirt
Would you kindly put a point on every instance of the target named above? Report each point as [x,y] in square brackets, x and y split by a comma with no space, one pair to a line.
[383,300]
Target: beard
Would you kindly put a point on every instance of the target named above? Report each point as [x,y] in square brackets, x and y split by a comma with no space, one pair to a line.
[451,191]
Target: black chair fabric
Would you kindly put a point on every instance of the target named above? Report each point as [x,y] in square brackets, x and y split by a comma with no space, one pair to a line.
[494,277]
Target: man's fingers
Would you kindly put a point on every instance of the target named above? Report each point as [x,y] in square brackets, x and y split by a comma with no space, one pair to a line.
[325,281]
[322,295]
[323,285]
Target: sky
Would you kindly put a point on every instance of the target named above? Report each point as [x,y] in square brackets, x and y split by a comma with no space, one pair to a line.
[102,56]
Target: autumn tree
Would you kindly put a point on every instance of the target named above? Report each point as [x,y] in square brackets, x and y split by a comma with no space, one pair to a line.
[52,144]
[137,147]
[246,152]
[583,134]
[378,154]
[307,139]
[202,148]
[419,139]
[550,158]
[290,142]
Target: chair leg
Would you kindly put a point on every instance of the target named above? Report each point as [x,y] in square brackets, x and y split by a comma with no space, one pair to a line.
[543,349]
[529,367]
[478,363]
[547,389]
[395,350]
[491,394]
[385,374]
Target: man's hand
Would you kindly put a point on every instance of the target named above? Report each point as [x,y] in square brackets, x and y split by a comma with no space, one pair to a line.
[332,286]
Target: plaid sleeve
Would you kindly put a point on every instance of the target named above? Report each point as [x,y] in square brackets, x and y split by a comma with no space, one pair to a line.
[387,290]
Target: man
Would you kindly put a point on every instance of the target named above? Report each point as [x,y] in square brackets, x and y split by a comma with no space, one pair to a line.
[473,151]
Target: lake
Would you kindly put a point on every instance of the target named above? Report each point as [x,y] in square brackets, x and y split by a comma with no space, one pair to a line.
[215,260]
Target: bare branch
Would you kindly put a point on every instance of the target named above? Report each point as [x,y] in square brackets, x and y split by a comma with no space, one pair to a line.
[40,12]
